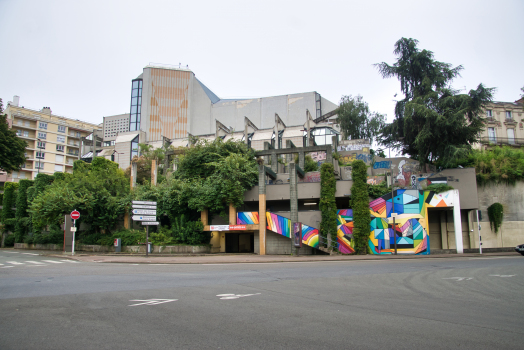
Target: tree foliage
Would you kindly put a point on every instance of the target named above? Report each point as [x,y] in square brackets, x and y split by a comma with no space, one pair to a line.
[433,122]
[21,214]
[12,148]
[356,121]
[98,190]
[360,206]
[9,202]
[495,215]
[328,206]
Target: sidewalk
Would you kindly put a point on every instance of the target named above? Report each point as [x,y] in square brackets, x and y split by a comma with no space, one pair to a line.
[252,258]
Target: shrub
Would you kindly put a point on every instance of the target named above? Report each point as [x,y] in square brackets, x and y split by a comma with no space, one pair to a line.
[9,241]
[495,215]
[439,188]
[328,206]
[360,205]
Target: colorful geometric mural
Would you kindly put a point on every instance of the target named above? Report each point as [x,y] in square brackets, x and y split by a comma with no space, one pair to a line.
[280,225]
[410,229]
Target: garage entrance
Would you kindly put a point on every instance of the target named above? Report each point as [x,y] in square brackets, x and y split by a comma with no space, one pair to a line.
[240,242]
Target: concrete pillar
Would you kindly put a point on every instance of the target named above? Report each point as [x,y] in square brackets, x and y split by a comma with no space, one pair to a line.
[232,214]
[329,156]
[274,162]
[204,217]
[293,199]
[153,172]
[301,160]
[133,174]
[444,229]
[457,222]
[262,209]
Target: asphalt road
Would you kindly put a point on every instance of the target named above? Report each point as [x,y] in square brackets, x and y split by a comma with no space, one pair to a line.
[460,303]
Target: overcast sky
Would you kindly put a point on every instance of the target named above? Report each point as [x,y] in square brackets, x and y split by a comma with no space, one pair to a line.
[79,57]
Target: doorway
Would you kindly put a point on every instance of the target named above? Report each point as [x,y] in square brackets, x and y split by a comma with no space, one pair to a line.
[240,242]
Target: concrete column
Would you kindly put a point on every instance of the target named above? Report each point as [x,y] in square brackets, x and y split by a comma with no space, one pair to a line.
[204,217]
[274,162]
[457,222]
[232,214]
[329,156]
[444,229]
[301,160]
[133,174]
[153,172]
[262,209]
[293,199]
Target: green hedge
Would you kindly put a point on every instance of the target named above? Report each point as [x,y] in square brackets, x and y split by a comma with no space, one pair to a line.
[328,206]
[9,202]
[360,205]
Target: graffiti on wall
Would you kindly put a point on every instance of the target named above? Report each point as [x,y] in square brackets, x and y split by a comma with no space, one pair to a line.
[382,165]
[366,157]
[359,147]
[318,156]
[312,176]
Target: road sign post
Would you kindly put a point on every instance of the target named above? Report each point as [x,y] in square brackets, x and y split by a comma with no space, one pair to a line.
[74,215]
[145,212]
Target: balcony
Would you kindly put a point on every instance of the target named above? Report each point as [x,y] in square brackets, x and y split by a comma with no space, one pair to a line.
[73,144]
[500,141]
[74,154]
[74,134]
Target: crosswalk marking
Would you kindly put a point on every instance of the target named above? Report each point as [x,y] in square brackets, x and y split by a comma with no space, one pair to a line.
[14,262]
[1,264]
[35,262]
[70,261]
[30,254]
[53,261]
[12,252]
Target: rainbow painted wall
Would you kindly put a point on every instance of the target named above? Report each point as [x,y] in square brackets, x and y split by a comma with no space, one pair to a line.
[280,225]
[410,229]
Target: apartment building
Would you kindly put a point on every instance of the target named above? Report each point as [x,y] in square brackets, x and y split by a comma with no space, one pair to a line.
[504,125]
[53,142]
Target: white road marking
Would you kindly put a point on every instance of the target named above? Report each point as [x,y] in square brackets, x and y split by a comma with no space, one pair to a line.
[1,264]
[30,254]
[53,261]
[234,296]
[6,267]
[152,301]
[503,275]
[35,262]
[70,261]
[12,252]
[14,262]
[499,257]
[459,278]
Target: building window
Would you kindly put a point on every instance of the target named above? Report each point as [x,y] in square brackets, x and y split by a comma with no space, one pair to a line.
[24,166]
[26,133]
[489,113]
[136,105]
[40,144]
[60,148]
[61,128]
[59,167]
[42,125]
[60,139]
[42,135]
[134,147]
[323,136]
[59,158]
[39,165]
[511,136]
[40,155]
[14,174]
[492,136]
[508,115]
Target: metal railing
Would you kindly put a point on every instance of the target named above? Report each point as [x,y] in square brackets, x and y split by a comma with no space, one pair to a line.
[498,141]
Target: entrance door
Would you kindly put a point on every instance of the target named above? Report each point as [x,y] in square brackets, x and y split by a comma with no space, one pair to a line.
[435,235]
[240,242]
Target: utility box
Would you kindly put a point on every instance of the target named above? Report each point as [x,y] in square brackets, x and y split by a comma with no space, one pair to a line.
[149,247]
[118,245]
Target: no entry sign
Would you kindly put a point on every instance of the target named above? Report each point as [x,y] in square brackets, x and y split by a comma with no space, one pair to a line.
[75,215]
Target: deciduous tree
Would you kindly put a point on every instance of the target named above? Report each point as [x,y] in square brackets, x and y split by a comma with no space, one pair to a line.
[356,121]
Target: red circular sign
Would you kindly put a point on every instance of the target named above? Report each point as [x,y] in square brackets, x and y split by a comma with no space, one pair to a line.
[75,215]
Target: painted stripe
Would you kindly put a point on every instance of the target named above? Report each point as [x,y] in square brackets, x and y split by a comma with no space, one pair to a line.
[70,261]
[35,262]
[14,262]
[53,261]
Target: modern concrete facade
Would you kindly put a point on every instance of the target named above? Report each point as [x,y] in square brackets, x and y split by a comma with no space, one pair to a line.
[171,102]
[113,125]
[53,142]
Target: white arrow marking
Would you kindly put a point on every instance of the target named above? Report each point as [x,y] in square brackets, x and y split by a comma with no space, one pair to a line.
[234,296]
[152,301]
[503,275]
[459,278]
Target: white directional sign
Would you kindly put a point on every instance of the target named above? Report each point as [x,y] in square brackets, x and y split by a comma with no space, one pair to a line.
[144,211]
[139,206]
[143,202]
[150,223]
[144,218]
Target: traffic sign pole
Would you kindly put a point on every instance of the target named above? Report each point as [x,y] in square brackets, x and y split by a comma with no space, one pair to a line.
[147,241]
[75,214]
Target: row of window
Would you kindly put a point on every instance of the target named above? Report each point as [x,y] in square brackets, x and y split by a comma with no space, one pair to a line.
[492,135]
[58,157]
[41,145]
[489,114]
[136,105]
[43,125]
